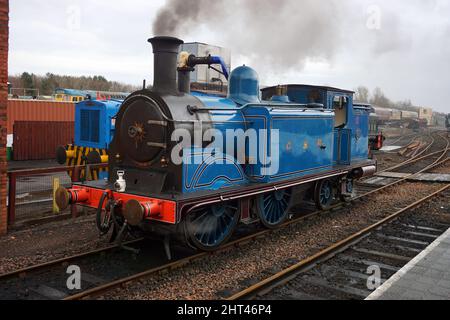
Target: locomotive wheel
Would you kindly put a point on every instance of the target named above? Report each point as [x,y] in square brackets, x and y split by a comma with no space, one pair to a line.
[273,208]
[210,227]
[324,194]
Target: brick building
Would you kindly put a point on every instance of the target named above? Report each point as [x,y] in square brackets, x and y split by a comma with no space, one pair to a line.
[4,37]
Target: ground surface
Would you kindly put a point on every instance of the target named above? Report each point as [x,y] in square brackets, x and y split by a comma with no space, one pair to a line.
[48,242]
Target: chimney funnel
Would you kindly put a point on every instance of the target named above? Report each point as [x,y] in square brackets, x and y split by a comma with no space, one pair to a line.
[165,51]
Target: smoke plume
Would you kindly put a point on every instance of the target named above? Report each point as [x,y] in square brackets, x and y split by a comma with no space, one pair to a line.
[378,43]
[279,33]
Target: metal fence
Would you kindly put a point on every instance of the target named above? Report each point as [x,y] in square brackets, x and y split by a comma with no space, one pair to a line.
[30,192]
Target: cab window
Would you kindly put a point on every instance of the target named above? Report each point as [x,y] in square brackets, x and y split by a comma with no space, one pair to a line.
[340,102]
[340,106]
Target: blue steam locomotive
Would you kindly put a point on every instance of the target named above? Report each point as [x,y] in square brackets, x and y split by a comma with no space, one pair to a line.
[196,166]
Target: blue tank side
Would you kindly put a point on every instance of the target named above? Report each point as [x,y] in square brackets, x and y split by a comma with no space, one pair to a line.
[215,167]
[299,143]
[225,116]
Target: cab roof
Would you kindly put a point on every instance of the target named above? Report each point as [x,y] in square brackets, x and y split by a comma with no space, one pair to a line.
[308,86]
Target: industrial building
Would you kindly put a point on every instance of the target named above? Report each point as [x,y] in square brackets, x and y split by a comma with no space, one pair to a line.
[426,114]
[204,75]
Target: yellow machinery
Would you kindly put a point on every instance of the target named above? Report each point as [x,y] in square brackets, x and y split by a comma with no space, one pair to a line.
[72,155]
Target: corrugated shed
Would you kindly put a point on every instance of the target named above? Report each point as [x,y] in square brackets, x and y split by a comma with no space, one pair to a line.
[35,110]
[38,140]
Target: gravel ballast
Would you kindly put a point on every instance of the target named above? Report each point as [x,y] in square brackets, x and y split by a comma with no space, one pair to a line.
[20,249]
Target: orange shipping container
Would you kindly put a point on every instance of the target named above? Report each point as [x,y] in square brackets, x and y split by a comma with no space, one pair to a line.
[36,110]
[39,140]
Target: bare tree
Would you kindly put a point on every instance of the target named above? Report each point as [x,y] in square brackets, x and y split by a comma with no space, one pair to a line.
[362,94]
[379,99]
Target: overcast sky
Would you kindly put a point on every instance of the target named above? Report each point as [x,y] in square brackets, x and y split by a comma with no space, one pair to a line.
[402,46]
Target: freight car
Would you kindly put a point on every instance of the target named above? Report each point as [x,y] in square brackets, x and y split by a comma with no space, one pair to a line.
[396,115]
[94,130]
[406,115]
[383,114]
[195,167]
[72,95]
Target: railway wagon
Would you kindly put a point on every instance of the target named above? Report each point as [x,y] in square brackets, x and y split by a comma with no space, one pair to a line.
[384,114]
[73,95]
[192,168]
[396,115]
[406,115]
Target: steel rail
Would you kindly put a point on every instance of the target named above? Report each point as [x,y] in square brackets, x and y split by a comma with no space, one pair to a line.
[23,271]
[287,274]
[413,135]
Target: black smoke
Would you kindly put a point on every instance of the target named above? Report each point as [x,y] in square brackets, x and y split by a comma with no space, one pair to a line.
[281,33]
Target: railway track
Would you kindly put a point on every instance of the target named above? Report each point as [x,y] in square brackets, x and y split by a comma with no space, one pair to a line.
[408,169]
[342,270]
[414,158]
[434,149]
[402,140]
[33,282]
[101,278]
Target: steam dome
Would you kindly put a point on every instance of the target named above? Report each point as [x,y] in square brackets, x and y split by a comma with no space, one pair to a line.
[244,86]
